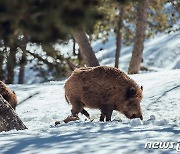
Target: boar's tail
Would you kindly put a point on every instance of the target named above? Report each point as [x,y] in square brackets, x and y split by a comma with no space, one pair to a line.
[67,99]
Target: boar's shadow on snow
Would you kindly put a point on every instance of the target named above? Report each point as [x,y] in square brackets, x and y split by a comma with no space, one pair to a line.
[104,88]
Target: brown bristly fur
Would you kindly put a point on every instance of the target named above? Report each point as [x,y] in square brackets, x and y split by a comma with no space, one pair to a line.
[8,95]
[105,88]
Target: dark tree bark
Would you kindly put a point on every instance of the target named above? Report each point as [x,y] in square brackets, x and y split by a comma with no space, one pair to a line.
[22,67]
[11,62]
[119,36]
[74,47]
[135,63]
[9,120]
[1,65]
[23,60]
[85,47]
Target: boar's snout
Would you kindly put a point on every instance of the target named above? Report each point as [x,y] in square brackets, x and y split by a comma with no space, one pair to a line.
[136,116]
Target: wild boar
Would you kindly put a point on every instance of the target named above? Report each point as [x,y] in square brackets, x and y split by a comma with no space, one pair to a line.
[8,95]
[105,88]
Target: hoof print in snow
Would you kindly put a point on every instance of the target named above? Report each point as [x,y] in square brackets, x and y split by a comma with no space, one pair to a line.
[152,117]
[71,118]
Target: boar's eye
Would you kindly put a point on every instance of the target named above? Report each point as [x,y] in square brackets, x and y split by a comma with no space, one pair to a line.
[142,88]
[131,92]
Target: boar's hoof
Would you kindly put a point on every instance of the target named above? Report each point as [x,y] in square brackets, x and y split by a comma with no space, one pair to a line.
[141,117]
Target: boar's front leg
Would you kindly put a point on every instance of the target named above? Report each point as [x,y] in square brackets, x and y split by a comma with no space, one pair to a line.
[106,111]
[85,113]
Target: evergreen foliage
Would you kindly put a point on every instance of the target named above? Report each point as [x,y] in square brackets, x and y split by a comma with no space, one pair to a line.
[46,22]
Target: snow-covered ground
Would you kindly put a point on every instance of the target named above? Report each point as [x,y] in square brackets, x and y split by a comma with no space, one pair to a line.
[160,107]
[161,122]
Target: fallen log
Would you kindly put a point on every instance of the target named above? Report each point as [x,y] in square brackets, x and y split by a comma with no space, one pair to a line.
[9,119]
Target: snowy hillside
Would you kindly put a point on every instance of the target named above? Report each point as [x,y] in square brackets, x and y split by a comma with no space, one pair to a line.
[161,52]
[160,110]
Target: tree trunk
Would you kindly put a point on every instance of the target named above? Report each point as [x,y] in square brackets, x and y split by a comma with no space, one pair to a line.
[23,61]
[135,63]
[22,67]
[11,61]
[8,118]
[119,36]
[85,47]
[74,47]
[1,66]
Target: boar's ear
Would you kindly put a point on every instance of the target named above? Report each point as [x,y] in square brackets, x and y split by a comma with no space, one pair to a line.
[142,88]
[131,92]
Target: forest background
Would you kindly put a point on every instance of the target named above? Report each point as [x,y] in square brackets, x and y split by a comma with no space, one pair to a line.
[31,32]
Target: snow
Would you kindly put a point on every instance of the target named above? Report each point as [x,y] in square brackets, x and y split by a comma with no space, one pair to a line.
[160,53]
[136,122]
[161,123]
[160,106]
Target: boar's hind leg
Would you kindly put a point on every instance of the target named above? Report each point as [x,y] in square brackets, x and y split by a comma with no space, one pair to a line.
[76,108]
[102,116]
[85,113]
[108,115]
[106,111]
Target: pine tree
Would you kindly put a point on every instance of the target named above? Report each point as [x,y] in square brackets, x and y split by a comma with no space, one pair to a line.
[85,47]
[23,60]
[136,58]
[119,35]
